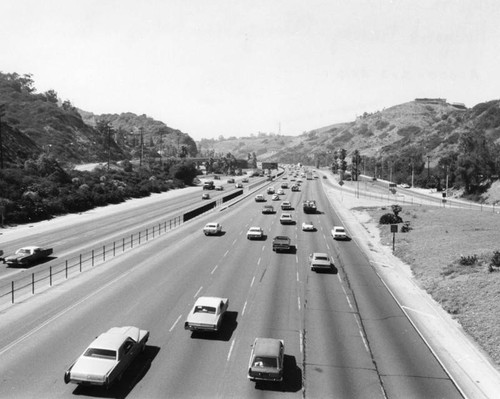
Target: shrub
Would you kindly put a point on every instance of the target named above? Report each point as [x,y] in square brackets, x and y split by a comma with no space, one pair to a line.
[389,218]
[469,260]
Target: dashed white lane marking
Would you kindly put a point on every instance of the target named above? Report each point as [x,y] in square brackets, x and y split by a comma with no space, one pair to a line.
[244,307]
[253,280]
[230,350]
[197,292]
[175,323]
[214,269]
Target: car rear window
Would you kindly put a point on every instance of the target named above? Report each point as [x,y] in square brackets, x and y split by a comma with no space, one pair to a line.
[204,309]
[321,258]
[261,361]
[100,353]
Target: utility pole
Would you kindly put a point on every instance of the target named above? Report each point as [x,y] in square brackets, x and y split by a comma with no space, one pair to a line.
[109,144]
[142,145]
[2,112]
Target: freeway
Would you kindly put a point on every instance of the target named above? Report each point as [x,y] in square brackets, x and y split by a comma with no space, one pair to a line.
[344,334]
[102,225]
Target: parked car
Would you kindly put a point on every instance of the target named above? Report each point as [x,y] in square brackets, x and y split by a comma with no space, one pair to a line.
[308,226]
[27,256]
[260,198]
[212,228]
[286,218]
[268,209]
[339,233]
[320,260]
[207,314]
[255,233]
[107,357]
[267,360]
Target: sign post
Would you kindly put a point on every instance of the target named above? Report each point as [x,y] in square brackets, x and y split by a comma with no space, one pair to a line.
[394,230]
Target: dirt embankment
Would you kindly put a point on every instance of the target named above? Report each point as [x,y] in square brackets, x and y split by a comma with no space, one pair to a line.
[433,249]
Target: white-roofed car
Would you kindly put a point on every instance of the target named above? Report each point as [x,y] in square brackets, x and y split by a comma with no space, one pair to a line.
[339,233]
[286,205]
[255,233]
[212,228]
[286,218]
[260,198]
[107,357]
[320,261]
[308,226]
[207,314]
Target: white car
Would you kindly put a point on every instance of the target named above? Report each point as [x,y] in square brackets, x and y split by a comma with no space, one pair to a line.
[275,197]
[280,192]
[286,218]
[207,314]
[255,233]
[260,198]
[320,260]
[286,205]
[219,188]
[212,229]
[339,233]
[308,226]
[107,357]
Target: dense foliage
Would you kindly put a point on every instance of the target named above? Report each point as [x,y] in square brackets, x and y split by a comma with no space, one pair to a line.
[42,189]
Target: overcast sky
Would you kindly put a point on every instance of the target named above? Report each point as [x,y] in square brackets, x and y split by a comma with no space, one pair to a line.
[239,67]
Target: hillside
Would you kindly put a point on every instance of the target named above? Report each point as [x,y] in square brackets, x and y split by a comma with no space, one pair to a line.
[431,124]
[40,123]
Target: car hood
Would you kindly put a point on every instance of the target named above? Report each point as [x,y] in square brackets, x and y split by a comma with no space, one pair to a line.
[92,366]
[202,318]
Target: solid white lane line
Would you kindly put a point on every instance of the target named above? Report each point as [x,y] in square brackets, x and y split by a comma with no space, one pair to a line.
[175,323]
[197,292]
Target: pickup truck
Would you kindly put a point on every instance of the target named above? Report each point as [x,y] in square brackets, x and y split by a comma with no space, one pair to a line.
[281,244]
[27,255]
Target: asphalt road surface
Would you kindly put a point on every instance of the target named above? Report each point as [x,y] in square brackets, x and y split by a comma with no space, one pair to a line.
[345,336]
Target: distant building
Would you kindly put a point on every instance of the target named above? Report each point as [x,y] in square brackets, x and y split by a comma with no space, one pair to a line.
[431,100]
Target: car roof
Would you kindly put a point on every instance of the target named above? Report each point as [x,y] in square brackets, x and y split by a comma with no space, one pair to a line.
[114,337]
[212,224]
[208,301]
[254,228]
[267,346]
[322,254]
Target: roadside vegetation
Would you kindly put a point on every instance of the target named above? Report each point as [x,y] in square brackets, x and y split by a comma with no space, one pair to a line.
[455,256]
[41,189]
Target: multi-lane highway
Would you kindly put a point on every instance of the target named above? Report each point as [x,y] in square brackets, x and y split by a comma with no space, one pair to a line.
[344,334]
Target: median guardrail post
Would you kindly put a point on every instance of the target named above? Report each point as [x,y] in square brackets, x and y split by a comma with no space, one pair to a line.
[92,258]
[104,253]
[114,249]
[50,276]
[80,263]
[32,283]
[66,269]
[12,292]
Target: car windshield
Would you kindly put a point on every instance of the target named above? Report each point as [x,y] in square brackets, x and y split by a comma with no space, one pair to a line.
[321,258]
[100,353]
[261,361]
[204,309]
[23,251]
[339,229]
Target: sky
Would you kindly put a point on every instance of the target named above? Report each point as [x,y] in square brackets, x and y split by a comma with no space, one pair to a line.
[236,68]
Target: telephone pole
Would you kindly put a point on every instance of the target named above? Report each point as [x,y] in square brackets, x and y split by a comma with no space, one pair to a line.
[2,112]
